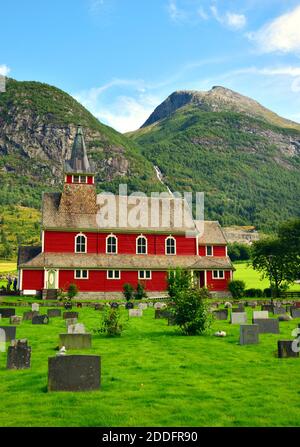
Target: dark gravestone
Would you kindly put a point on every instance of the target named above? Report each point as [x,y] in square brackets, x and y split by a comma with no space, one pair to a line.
[10,332]
[52,313]
[99,306]
[249,334]
[284,318]
[28,316]
[67,315]
[75,341]
[68,305]
[295,312]
[285,349]
[74,373]
[267,325]
[129,305]
[40,319]
[238,309]
[162,313]
[278,310]
[221,314]
[114,305]
[7,312]
[79,305]
[18,355]
[267,307]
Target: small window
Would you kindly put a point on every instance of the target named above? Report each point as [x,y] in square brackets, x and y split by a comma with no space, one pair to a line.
[145,274]
[83,179]
[111,244]
[76,178]
[170,246]
[80,243]
[113,274]
[209,250]
[218,274]
[141,245]
[81,274]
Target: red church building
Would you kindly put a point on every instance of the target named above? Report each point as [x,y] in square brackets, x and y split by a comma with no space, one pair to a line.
[82,246]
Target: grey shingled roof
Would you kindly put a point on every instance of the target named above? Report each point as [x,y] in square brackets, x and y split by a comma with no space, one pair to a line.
[210,233]
[137,262]
[27,253]
[79,162]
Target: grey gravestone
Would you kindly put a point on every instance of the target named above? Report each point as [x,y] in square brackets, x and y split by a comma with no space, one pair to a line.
[249,334]
[284,318]
[75,341]
[129,305]
[267,307]
[221,314]
[70,321]
[238,318]
[7,312]
[15,320]
[29,315]
[260,314]
[114,305]
[77,328]
[159,305]
[18,355]
[285,349]
[295,312]
[135,312]
[142,306]
[68,315]
[52,313]
[162,313]
[10,332]
[35,307]
[40,319]
[74,373]
[279,310]
[267,325]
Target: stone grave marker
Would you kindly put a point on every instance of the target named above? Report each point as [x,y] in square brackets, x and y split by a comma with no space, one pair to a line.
[68,315]
[221,314]
[70,321]
[7,312]
[99,306]
[239,318]
[279,310]
[27,316]
[267,308]
[18,355]
[15,320]
[129,305]
[142,306]
[35,307]
[162,313]
[40,319]
[295,312]
[159,305]
[114,305]
[150,304]
[75,341]
[267,325]
[260,314]
[53,313]
[285,349]
[284,317]
[74,373]
[10,332]
[77,328]
[249,334]
[135,312]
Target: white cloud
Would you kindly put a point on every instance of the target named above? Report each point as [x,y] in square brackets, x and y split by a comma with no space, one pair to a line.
[4,70]
[230,19]
[281,34]
[176,14]
[202,14]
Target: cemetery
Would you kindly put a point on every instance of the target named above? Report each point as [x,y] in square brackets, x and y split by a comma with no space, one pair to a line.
[58,370]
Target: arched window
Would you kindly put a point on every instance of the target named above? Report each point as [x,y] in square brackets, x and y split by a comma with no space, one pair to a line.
[111,244]
[141,245]
[170,246]
[80,243]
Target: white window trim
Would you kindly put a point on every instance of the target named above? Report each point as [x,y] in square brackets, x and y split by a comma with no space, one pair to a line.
[79,179]
[212,250]
[80,234]
[141,236]
[175,246]
[114,274]
[81,270]
[106,244]
[218,274]
[146,279]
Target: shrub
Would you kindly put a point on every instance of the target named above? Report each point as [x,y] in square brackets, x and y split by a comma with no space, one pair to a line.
[237,288]
[140,292]
[111,324]
[72,291]
[239,252]
[253,293]
[191,312]
[128,291]
[178,280]
[268,292]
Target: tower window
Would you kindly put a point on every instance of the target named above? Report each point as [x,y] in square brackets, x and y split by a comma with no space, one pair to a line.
[209,250]
[141,245]
[80,243]
[170,248]
[111,244]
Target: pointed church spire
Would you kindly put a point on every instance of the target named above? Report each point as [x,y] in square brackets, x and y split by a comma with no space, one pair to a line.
[79,162]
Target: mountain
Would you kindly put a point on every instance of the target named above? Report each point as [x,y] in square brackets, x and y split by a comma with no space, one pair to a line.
[37,128]
[244,157]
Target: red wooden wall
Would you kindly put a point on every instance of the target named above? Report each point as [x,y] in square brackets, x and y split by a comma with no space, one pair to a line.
[218,250]
[33,280]
[217,284]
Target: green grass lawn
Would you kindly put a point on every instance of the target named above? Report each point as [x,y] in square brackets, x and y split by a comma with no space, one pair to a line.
[153,376]
[252,278]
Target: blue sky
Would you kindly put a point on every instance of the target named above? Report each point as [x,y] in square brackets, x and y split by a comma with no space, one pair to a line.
[121,58]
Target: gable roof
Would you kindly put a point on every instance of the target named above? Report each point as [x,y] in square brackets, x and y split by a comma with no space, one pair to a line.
[211,233]
[27,253]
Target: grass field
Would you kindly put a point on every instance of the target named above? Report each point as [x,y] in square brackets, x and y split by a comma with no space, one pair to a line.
[153,376]
[8,266]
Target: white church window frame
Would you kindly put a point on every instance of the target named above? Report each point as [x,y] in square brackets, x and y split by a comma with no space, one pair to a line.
[81,235]
[139,238]
[108,252]
[170,238]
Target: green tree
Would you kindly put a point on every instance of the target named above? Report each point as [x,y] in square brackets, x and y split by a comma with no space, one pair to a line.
[237,288]
[289,234]
[178,280]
